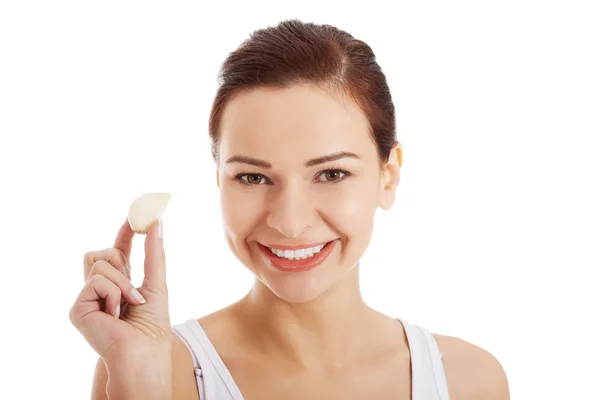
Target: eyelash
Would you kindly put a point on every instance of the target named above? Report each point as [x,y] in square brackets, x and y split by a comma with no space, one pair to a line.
[239,177]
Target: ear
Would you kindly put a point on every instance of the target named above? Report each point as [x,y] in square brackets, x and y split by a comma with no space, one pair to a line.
[390,178]
[217,175]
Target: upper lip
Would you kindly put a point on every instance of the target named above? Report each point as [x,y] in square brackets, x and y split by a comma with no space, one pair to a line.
[296,247]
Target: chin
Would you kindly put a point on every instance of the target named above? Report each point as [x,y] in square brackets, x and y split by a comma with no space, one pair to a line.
[307,286]
[296,289]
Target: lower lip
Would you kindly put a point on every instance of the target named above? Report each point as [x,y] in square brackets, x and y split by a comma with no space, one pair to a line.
[285,265]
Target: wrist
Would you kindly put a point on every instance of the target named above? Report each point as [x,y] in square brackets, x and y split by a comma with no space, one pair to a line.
[145,376]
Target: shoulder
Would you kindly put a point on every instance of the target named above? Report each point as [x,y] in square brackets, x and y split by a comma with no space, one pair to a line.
[183,375]
[471,371]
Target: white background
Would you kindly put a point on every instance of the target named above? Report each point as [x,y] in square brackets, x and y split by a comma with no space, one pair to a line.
[495,235]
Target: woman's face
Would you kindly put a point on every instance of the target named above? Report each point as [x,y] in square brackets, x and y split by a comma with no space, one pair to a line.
[298,170]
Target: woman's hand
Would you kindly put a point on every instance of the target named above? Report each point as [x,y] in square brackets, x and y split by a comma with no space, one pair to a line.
[118,324]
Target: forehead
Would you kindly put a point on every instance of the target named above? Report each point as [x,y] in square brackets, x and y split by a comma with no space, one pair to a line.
[292,125]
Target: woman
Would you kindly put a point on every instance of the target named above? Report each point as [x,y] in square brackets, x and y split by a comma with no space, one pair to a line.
[304,140]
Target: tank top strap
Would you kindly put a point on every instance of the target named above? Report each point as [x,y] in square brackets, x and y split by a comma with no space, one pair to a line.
[212,377]
[428,375]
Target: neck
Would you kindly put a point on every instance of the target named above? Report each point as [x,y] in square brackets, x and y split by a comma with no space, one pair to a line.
[327,331]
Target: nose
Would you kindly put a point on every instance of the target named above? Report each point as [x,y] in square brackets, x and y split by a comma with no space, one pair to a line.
[290,210]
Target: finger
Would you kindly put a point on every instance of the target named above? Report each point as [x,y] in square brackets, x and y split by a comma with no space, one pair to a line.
[129,292]
[124,239]
[98,288]
[154,262]
[113,256]
[95,312]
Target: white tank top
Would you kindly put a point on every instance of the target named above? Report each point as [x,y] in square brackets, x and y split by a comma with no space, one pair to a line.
[215,382]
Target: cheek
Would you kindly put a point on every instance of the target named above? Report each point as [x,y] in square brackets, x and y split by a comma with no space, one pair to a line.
[351,207]
[240,210]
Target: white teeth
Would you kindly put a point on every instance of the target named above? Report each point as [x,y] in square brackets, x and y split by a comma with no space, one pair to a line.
[297,254]
[300,253]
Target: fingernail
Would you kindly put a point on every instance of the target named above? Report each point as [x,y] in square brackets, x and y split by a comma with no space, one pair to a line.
[118,311]
[137,296]
[160,229]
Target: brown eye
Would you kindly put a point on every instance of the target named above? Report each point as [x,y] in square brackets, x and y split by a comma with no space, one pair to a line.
[332,175]
[253,179]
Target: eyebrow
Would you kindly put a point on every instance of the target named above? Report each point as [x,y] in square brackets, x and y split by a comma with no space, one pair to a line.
[310,163]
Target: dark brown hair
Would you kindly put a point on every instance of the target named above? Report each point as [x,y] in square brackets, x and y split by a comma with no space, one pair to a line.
[295,52]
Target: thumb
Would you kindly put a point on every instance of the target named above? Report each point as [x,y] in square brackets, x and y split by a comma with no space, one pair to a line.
[155,271]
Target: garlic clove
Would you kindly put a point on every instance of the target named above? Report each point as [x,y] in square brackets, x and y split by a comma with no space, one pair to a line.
[145,210]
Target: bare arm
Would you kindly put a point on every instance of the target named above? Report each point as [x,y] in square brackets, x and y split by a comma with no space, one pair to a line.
[184,380]
[123,385]
[99,382]
[140,373]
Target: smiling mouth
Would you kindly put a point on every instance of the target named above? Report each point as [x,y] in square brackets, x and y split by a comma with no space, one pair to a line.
[297,260]
[297,254]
